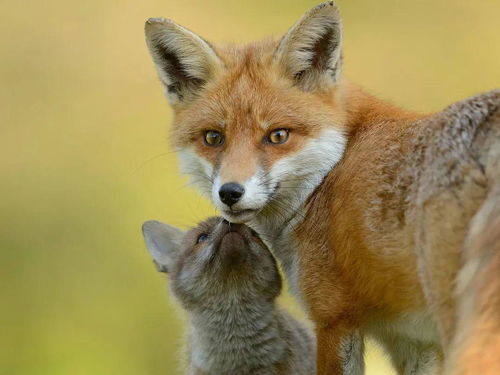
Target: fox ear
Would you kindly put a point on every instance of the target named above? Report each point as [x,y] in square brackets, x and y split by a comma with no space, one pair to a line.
[163,242]
[184,61]
[310,52]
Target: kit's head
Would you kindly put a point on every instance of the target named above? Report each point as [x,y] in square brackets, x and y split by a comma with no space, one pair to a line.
[213,261]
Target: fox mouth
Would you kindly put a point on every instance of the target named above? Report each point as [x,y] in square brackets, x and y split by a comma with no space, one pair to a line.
[240,212]
[239,216]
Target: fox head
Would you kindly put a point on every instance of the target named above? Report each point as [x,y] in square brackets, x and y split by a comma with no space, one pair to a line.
[258,126]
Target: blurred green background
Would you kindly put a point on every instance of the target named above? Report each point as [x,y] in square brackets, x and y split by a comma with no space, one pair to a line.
[85,157]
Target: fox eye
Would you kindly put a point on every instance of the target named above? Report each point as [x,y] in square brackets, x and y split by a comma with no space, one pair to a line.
[278,136]
[202,238]
[213,138]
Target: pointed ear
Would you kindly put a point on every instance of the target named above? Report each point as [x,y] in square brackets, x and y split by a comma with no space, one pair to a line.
[184,61]
[310,52]
[163,242]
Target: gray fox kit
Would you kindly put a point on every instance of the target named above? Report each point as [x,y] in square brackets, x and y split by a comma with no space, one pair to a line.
[227,280]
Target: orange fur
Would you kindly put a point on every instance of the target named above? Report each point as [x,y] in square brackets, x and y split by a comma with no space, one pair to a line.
[347,282]
[383,233]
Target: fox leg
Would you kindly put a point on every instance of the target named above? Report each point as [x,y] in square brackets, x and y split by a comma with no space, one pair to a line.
[476,345]
[339,351]
[413,358]
[352,353]
[475,348]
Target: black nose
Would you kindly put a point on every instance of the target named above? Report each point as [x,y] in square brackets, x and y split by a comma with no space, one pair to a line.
[231,193]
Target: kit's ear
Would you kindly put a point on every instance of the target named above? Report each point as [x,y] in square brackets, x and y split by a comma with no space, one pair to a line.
[310,52]
[184,61]
[163,242]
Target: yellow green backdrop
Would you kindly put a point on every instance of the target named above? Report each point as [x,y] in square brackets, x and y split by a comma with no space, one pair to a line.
[84,157]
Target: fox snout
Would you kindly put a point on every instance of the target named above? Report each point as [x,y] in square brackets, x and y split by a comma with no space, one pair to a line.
[238,184]
[230,193]
[239,200]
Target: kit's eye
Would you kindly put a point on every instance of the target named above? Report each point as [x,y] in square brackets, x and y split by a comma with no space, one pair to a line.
[278,136]
[202,238]
[213,138]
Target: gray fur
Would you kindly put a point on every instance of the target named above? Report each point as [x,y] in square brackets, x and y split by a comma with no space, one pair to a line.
[352,352]
[229,293]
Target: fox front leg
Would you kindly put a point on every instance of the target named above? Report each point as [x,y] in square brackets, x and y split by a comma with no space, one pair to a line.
[339,351]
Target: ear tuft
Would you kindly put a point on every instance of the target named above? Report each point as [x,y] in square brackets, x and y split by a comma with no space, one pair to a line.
[163,242]
[184,61]
[154,20]
[310,52]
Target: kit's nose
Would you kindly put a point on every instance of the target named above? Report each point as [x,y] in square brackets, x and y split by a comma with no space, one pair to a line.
[231,193]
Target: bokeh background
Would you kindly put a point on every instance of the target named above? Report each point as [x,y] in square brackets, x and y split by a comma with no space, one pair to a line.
[84,157]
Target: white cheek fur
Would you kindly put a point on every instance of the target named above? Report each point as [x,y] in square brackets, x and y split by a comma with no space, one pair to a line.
[255,192]
[299,174]
[215,192]
[199,170]
[315,159]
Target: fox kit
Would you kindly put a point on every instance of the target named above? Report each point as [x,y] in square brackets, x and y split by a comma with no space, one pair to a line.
[227,280]
[367,206]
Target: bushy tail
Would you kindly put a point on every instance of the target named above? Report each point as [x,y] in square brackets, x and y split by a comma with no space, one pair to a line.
[476,345]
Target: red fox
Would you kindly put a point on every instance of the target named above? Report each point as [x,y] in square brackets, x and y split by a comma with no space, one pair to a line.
[368,207]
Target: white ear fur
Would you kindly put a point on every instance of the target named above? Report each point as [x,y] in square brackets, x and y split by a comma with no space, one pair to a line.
[163,242]
[310,52]
[184,61]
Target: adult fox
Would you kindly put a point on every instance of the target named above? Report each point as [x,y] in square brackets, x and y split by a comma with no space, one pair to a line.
[368,207]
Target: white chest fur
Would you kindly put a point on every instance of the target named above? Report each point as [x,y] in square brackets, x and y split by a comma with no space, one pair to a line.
[285,247]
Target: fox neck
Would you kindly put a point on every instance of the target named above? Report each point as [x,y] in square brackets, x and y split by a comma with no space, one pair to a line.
[363,110]
[277,221]
[360,111]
